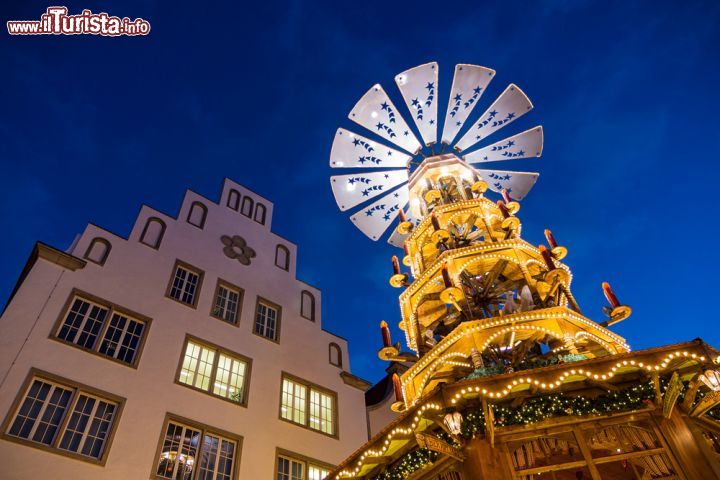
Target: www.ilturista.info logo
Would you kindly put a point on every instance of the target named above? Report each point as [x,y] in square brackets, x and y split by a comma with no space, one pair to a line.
[56,21]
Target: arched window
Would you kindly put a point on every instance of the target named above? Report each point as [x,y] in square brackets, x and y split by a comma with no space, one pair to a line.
[98,250]
[335,355]
[197,214]
[233,200]
[260,213]
[307,305]
[282,257]
[247,207]
[153,232]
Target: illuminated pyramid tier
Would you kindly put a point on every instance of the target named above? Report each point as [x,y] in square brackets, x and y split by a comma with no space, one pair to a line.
[482,300]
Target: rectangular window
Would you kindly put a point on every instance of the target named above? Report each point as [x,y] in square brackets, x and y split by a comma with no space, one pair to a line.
[295,467]
[55,414]
[213,370]
[185,284]
[228,300]
[267,320]
[194,452]
[96,325]
[308,405]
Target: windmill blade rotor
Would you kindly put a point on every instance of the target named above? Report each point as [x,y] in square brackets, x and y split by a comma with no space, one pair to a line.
[375,218]
[397,239]
[419,89]
[380,189]
[509,106]
[469,83]
[523,145]
[376,112]
[350,150]
[517,184]
[356,188]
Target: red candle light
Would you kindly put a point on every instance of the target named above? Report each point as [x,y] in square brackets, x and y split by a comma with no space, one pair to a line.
[401,215]
[610,295]
[397,387]
[406,249]
[385,331]
[446,276]
[550,239]
[435,222]
[503,209]
[396,265]
[547,257]
[506,195]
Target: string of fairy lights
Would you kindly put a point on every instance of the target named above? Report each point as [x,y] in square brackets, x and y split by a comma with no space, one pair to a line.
[533,410]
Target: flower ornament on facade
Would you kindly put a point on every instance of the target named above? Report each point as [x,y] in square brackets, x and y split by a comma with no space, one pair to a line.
[236,247]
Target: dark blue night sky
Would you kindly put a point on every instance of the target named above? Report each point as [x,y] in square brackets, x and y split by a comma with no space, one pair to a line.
[627,92]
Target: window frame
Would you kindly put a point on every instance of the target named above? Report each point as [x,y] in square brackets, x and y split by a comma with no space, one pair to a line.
[247,201]
[318,388]
[229,202]
[218,351]
[296,457]
[313,303]
[203,207]
[112,309]
[332,345]
[279,247]
[77,390]
[204,430]
[258,207]
[198,289]
[278,320]
[241,297]
[163,226]
[108,249]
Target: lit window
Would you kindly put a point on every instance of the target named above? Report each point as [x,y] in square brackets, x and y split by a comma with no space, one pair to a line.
[194,453]
[97,327]
[227,303]
[185,284]
[42,418]
[308,406]
[267,320]
[292,468]
[214,371]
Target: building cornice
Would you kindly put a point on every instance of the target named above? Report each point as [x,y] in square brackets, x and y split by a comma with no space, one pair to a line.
[49,254]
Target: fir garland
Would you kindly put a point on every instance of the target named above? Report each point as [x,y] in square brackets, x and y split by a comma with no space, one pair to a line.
[540,408]
[535,410]
[408,464]
[413,461]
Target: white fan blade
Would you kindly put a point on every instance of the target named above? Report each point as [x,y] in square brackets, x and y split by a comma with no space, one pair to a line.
[469,83]
[523,145]
[356,188]
[517,184]
[419,88]
[376,112]
[350,150]
[375,218]
[396,239]
[509,106]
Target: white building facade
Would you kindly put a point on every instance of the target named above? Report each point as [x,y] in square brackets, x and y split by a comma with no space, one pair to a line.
[188,350]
